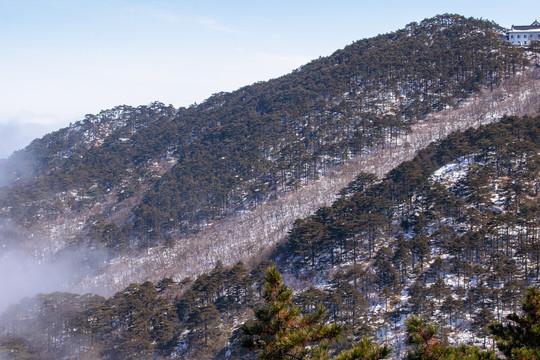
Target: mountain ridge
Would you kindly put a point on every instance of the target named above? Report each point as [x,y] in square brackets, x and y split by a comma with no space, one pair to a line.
[460,277]
[263,234]
[150,180]
[447,234]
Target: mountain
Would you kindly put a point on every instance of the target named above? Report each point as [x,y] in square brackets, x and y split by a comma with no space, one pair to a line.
[181,169]
[154,192]
[133,178]
[451,236]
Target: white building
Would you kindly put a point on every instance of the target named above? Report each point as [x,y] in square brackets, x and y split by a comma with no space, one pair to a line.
[523,34]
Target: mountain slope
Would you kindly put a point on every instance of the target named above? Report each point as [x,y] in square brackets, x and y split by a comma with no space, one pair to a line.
[130,178]
[451,235]
[249,235]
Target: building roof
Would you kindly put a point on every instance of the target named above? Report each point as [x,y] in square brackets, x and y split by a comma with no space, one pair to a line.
[534,26]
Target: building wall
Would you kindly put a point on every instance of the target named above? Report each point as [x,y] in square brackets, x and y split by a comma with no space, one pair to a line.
[524,38]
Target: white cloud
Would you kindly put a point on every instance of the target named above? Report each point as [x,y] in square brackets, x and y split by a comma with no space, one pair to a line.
[215,24]
[160,14]
[23,276]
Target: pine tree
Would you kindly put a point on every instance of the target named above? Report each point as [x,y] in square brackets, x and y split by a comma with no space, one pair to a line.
[521,340]
[422,338]
[481,321]
[365,350]
[203,322]
[281,331]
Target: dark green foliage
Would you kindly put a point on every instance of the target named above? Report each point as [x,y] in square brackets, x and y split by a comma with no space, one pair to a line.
[187,167]
[365,350]
[213,302]
[424,345]
[520,338]
[414,230]
[141,322]
[203,323]
[134,324]
[46,322]
[281,331]
[109,234]
[350,229]
[481,321]
[421,337]
[144,321]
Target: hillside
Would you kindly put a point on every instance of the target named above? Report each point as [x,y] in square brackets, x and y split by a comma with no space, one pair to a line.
[386,226]
[249,236]
[129,188]
[155,172]
[451,236]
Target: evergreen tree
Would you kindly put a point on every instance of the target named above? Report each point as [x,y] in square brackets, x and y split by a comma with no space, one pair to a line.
[203,322]
[365,350]
[521,338]
[422,338]
[281,331]
[481,321]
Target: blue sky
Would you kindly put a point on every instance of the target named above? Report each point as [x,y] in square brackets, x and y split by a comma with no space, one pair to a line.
[62,59]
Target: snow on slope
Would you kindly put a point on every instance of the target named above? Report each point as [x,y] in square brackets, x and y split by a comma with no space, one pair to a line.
[248,236]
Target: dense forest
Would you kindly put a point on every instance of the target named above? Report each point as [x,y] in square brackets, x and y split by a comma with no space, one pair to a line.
[451,235]
[438,259]
[449,239]
[135,177]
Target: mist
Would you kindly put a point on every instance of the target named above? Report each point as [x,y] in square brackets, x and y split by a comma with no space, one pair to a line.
[26,271]
[21,275]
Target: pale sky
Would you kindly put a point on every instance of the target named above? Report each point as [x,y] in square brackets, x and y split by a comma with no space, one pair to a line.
[62,59]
